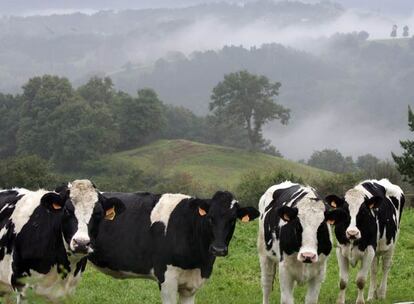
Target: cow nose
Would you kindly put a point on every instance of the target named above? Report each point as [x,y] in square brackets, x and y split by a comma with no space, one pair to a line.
[218,250]
[353,234]
[308,257]
[81,245]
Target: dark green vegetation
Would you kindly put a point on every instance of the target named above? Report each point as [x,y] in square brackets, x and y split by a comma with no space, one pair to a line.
[236,278]
[405,163]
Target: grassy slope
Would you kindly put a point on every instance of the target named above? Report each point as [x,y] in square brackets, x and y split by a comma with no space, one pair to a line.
[236,278]
[209,164]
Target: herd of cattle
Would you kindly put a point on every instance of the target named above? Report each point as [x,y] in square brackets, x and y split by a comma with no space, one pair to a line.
[47,237]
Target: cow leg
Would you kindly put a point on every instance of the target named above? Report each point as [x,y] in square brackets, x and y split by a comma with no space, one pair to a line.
[314,286]
[286,286]
[268,269]
[363,273]
[169,291]
[343,264]
[386,266]
[187,297]
[373,282]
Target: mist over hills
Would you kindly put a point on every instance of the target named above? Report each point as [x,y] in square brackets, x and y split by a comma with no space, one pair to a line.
[345,91]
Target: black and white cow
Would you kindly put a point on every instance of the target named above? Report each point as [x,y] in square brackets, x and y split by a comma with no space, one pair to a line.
[294,236]
[45,236]
[171,238]
[369,234]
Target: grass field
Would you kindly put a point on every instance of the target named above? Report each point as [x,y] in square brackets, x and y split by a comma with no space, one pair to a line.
[209,164]
[236,278]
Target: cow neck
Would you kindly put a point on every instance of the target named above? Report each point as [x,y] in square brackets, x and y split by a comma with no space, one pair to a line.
[204,237]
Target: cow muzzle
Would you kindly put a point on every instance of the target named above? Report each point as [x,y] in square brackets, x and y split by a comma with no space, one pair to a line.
[81,246]
[219,250]
[353,234]
[307,257]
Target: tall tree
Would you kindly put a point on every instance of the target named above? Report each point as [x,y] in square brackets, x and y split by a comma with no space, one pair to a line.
[331,160]
[248,100]
[394,31]
[406,31]
[139,117]
[405,162]
[9,123]
[97,91]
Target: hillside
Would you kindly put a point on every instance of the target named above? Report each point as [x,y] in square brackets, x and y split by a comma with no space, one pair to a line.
[210,165]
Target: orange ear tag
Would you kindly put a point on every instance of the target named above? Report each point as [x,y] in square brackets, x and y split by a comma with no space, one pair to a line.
[245,219]
[286,217]
[201,211]
[110,214]
[333,204]
[371,206]
[56,206]
[330,222]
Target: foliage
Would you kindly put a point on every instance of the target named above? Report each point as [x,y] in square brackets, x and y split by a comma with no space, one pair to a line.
[331,160]
[405,162]
[248,100]
[30,172]
[252,185]
[139,117]
[337,184]
[9,123]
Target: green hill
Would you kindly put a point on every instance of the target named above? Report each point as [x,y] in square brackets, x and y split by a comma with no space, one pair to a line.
[210,165]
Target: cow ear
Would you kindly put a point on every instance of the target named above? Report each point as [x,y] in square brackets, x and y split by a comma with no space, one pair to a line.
[112,207]
[334,201]
[373,202]
[335,216]
[52,201]
[202,206]
[247,214]
[287,213]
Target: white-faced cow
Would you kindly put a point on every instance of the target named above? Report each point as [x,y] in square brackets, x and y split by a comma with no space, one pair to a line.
[171,238]
[369,234]
[294,236]
[45,236]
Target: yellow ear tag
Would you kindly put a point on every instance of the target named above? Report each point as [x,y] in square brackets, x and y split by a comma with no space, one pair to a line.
[245,219]
[333,204]
[201,211]
[286,217]
[56,206]
[330,222]
[110,214]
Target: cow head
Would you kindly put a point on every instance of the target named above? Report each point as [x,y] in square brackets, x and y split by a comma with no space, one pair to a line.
[305,229]
[360,217]
[220,214]
[84,208]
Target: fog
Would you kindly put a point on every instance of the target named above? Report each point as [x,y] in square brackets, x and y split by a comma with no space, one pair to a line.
[127,46]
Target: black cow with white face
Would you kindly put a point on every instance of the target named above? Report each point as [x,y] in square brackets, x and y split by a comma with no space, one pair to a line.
[369,234]
[46,235]
[294,236]
[171,238]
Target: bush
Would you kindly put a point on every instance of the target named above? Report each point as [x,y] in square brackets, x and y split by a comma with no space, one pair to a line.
[253,185]
[30,172]
[337,184]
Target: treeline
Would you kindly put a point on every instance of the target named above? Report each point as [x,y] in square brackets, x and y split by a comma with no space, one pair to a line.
[68,126]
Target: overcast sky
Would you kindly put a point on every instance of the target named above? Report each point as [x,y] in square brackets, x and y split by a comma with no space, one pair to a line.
[25,7]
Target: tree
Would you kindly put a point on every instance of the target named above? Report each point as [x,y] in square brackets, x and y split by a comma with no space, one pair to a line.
[394,31]
[331,160]
[248,100]
[368,163]
[98,91]
[405,162]
[406,31]
[9,123]
[140,117]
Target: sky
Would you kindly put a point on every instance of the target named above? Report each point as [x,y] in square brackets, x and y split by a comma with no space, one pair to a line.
[30,7]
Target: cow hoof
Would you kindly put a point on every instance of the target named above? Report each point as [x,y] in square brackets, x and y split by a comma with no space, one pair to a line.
[340,301]
[360,301]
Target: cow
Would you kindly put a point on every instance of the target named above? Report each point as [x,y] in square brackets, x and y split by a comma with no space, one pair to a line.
[46,235]
[294,236]
[369,234]
[173,239]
